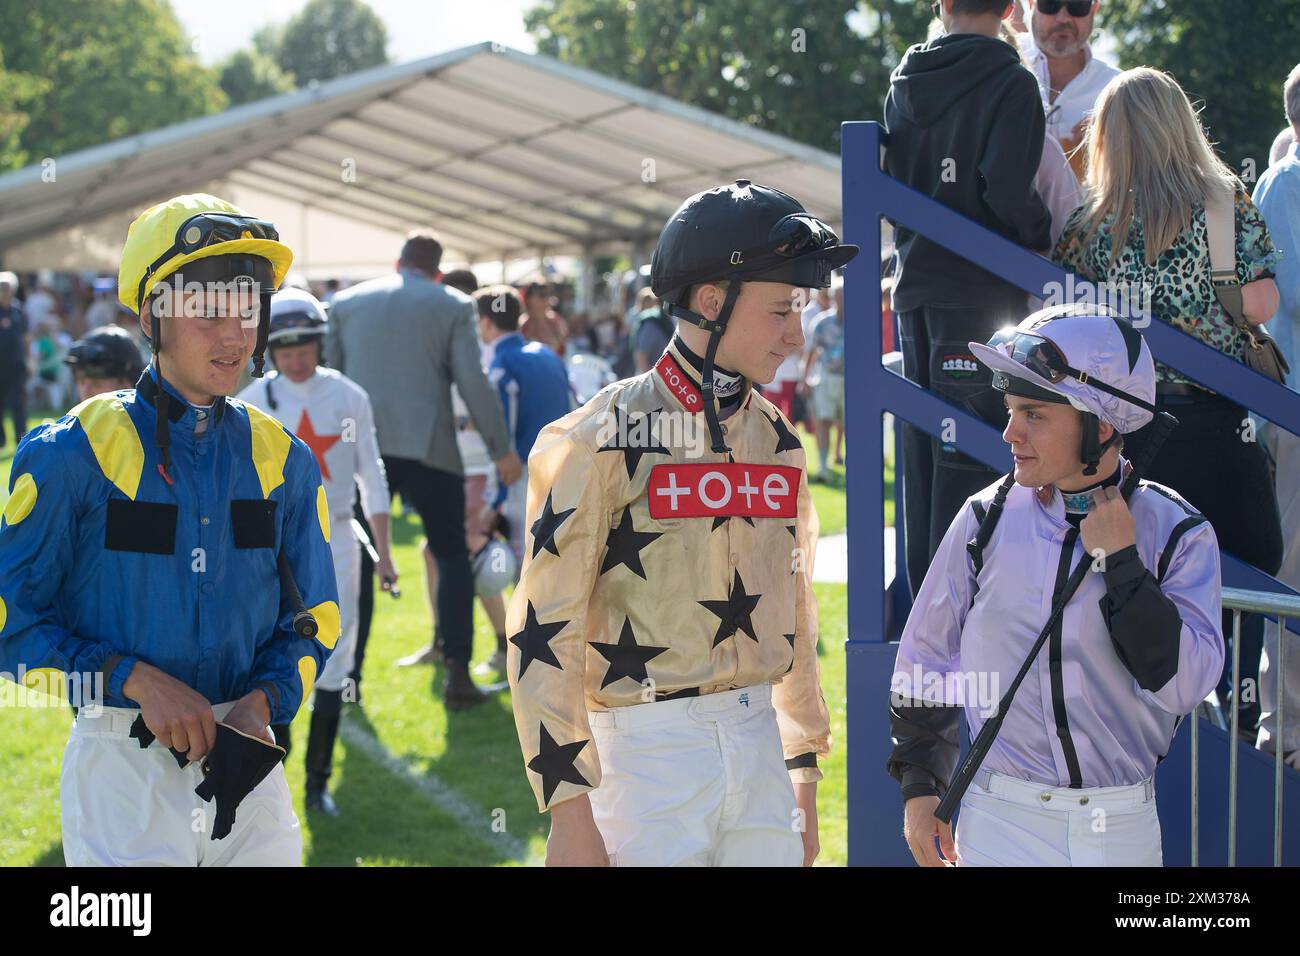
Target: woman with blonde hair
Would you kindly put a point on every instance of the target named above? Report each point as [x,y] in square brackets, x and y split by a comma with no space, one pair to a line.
[1142,227]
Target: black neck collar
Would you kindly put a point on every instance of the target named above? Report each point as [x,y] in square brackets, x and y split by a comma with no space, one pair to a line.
[148,388]
[1080,502]
[724,380]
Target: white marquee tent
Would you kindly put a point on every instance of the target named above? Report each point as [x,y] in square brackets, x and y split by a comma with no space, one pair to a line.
[508,156]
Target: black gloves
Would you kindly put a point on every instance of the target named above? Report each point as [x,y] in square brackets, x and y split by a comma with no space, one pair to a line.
[236,765]
[143,734]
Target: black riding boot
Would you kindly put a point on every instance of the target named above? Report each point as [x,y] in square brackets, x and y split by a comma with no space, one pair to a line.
[325,711]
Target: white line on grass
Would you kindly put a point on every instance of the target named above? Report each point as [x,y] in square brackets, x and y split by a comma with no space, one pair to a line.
[474,820]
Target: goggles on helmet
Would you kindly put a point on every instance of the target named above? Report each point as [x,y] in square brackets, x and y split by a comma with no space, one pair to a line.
[1045,359]
[206,229]
[800,234]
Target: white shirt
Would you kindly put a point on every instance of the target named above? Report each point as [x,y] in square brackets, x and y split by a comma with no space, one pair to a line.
[102,312]
[474,456]
[41,308]
[1057,185]
[332,414]
[811,313]
[1079,96]
[789,370]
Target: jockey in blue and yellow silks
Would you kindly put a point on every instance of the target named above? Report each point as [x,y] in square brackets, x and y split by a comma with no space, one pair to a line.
[159,541]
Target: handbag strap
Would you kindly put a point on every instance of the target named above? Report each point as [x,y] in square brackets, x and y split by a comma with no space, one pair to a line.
[1220,227]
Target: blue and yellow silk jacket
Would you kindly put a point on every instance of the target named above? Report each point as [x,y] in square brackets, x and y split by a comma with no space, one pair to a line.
[104,562]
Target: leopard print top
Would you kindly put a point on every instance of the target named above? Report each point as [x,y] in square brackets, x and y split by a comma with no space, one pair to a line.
[1179,282]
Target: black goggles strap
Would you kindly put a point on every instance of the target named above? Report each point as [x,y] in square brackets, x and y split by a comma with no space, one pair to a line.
[1057,363]
[1084,379]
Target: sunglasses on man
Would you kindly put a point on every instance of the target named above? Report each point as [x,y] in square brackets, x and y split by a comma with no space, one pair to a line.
[1075,8]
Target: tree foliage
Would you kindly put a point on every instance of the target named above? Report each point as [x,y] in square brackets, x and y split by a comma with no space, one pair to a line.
[740,57]
[250,75]
[794,67]
[17,91]
[1232,57]
[106,69]
[326,39]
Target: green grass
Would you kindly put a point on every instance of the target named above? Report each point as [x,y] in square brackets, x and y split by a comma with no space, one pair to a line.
[829,497]
[387,822]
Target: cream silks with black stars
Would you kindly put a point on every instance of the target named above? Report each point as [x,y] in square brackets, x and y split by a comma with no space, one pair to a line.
[611,601]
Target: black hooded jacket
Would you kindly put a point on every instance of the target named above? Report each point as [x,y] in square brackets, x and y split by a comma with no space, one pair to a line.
[965,124]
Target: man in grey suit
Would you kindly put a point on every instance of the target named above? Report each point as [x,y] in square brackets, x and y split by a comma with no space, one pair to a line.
[405,339]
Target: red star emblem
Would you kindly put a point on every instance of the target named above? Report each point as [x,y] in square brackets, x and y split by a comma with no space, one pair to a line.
[319,444]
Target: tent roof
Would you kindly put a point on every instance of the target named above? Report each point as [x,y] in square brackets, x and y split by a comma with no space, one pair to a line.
[503,153]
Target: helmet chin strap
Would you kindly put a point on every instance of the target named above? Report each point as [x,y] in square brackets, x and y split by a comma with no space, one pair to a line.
[161,432]
[1093,447]
[263,330]
[715,329]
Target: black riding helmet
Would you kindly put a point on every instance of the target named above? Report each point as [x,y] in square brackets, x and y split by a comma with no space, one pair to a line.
[736,232]
[108,352]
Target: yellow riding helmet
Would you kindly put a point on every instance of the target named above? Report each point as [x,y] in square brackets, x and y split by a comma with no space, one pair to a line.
[162,239]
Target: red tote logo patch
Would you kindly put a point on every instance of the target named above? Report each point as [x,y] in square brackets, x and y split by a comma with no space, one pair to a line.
[680,384]
[734,490]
